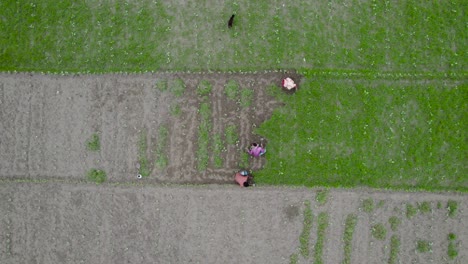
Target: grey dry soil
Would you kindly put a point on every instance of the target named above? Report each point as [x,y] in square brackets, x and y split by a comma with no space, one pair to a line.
[85,223]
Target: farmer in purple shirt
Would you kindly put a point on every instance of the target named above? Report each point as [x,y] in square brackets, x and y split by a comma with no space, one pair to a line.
[256,150]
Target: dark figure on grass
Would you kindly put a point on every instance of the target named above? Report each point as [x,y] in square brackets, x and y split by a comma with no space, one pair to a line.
[231,21]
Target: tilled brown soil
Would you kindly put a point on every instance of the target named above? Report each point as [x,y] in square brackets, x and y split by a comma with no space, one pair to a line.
[47,119]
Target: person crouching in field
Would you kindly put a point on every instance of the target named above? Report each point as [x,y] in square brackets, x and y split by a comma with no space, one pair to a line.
[256,150]
[244,178]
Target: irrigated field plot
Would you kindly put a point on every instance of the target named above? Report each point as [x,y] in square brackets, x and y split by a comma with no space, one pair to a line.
[79,223]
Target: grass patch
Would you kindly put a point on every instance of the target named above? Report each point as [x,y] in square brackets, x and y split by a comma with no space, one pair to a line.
[142,154]
[217,149]
[439,205]
[96,176]
[425,207]
[204,136]
[231,90]
[204,88]
[379,231]
[368,205]
[307,226]
[322,223]
[133,36]
[394,249]
[394,223]
[423,246]
[333,130]
[93,144]
[246,96]
[410,211]
[231,135]
[177,87]
[161,157]
[452,250]
[452,208]
[321,196]
[350,225]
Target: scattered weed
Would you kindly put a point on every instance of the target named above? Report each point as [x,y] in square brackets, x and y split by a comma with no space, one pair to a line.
[380,204]
[439,205]
[423,246]
[321,197]
[394,249]
[321,232]
[176,110]
[204,88]
[410,211]
[350,225]
[394,223]
[452,207]
[231,90]
[379,231]
[424,207]
[97,176]
[93,144]
[307,226]
[368,205]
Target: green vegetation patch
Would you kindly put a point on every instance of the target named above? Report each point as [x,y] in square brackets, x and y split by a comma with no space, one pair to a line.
[204,136]
[368,205]
[176,110]
[231,90]
[411,211]
[217,149]
[452,207]
[322,223]
[161,155]
[177,87]
[423,246]
[244,159]
[96,176]
[305,234]
[294,258]
[379,231]
[93,144]
[328,132]
[321,196]
[394,249]
[204,88]
[231,135]
[394,223]
[246,97]
[452,250]
[425,207]
[350,225]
